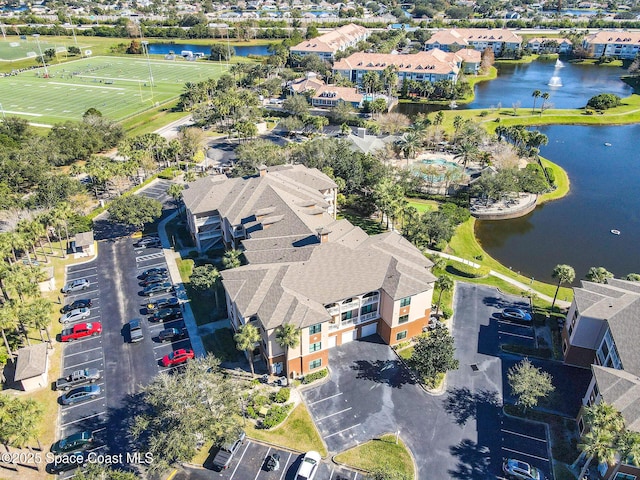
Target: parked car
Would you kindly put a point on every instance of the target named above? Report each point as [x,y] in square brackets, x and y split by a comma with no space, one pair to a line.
[64,463]
[177,357]
[76,285]
[81,330]
[172,334]
[151,279]
[147,242]
[82,303]
[165,314]
[74,442]
[518,469]
[171,302]
[77,378]
[516,314]
[135,331]
[309,466]
[151,290]
[80,394]
[153,271]
[75,315]
[223,458]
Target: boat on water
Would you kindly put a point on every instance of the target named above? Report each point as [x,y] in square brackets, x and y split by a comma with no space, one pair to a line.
[614,231]
[607,144]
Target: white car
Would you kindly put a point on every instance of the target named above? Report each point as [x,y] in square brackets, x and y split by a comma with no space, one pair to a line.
[518,469]
[309,466]
[75,315]
[76,285]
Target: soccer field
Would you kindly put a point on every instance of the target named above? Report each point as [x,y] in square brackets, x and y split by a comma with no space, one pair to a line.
[17,48]
[116,86]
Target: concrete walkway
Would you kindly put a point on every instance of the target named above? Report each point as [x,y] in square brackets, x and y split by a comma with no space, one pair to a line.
[520,285]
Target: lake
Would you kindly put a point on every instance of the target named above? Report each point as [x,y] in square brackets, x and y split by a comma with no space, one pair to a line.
[576,229]
[241,50]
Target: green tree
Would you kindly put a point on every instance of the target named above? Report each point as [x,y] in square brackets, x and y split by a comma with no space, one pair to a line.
[342,112]
[633,277]
[564,274]
[205,278]
[433,354]
[99,471]
[135,210]
[287,337]
[208,410]
[529,384]
[19,420]
[598,275]
[246,339]
[296,105]
[536,94]
[175,191]
[231,259]
[388,473]
[444,283]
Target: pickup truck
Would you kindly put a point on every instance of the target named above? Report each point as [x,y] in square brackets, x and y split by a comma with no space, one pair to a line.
[223,458]
[79,377]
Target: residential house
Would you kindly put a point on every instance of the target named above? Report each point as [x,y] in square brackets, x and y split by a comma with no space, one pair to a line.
[601,332]
[424,66]
[327,45]
[323,95]
[451,40]
[309,82]
[562,46]
[610,43]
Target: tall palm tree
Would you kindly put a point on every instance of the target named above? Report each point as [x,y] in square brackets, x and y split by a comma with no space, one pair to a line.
[598,275]
[45,221]
[545,97]
[628,446]
[444,283]
[231,259]
[564,274]
[287,336]
[175,191]
[8,321]
[40,309]
[246,339]
[598,443]
[536,94]
[466,152]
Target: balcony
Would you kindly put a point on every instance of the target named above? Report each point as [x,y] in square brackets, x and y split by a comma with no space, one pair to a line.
[370,300]
[334,310]
[214,219]
[368,316]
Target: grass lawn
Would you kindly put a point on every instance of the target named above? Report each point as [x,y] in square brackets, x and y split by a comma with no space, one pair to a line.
[221,344]
[371,226]
[382,453]
[117,86]
[297,432]
[562,183]
[204,306]
[422,205]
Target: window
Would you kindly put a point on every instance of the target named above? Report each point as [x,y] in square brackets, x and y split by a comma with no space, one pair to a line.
[315,364]
[347,315]
[372,307]
[401,335]
[405,302]
[403,319]
[314,347]
[313,329]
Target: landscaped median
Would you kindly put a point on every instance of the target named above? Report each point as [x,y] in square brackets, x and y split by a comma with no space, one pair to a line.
[385,454]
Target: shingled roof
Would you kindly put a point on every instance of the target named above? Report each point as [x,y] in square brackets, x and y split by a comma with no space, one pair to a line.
[32,361]
[622,390]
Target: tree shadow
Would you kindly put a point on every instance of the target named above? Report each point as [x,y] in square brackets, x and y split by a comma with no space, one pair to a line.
[474,461]
[390,372]
[463,404]
[498,302]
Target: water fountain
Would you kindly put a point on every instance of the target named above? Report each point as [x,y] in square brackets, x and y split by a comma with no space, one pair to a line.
[559,64]
[555,81]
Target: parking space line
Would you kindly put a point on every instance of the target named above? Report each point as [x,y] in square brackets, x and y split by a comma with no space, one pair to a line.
[516,324]
[240,460]
[515,335]
[172,343]
[151,256]
[263,462]
[147,267]
[84,275]
[99,430]
[66,408]
[83,270]
[83,419]
[543,440]
[284,470]
[326,398]
[336,413]
[84,351]
[83,363]
[526,454]
[344,430]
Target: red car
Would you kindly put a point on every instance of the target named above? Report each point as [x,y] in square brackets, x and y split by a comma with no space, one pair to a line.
[81,330]
[177,357]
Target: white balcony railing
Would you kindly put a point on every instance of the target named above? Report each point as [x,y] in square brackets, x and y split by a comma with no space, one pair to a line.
[367,316]
[334,310]
[369,300]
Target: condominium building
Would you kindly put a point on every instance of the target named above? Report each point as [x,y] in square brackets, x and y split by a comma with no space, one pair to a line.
[625,45]
[550,45]
[451,40]
[601,332]
[424,66]
[327,45]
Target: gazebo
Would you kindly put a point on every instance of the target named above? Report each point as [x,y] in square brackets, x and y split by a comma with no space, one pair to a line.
[32,366]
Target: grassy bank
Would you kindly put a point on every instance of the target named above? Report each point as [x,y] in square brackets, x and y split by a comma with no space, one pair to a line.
[379,454]
[562,183]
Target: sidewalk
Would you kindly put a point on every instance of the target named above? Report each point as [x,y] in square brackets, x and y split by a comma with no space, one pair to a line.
[520,285]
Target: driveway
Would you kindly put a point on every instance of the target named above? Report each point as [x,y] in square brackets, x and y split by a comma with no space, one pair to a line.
[460,434]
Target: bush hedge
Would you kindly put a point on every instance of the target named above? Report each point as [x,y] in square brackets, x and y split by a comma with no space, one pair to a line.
[282,395]
[312,377]
[275,416]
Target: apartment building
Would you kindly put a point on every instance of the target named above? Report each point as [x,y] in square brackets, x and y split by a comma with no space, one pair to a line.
[424,66]
[327,45]
[625,45]
[561,46]
[601,332]
[451,40]
[323,95]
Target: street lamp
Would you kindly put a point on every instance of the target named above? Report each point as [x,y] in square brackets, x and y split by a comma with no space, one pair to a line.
[4,116]
[46,71]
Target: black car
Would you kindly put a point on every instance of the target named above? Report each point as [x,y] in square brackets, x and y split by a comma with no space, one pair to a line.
[172,334]
[74,442]
[154,288]
[66,462]
[170,302]
[82,303]
[153,271]
[151,279]
[165,314]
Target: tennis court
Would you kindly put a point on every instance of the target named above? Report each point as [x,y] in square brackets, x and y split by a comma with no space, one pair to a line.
[117,86]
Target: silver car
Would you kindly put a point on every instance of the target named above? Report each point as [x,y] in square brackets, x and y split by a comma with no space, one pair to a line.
[75,315]
[518,469]
[76,285]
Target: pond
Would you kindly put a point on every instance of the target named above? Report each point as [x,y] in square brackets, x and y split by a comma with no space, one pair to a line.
[241,50]
[576,230]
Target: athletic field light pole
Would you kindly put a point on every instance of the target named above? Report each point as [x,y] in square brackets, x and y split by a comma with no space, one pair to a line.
[46,71]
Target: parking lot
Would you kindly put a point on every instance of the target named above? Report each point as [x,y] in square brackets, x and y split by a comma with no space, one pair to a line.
[158,191]
[526,442]
[515,333]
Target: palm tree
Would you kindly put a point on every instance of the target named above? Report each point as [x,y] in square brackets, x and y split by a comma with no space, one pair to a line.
[189,176]
[536,94]
[545,97]
[246,340]
[598,275]
[466,152]
[564,274]
[597,443]
[628,445]
[287,336]
[175,191]
[444,283]
[231,259]
[8,321]
[41,309]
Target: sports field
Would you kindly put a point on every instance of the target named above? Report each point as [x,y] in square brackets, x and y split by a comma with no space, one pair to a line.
[116,86]
[16,48]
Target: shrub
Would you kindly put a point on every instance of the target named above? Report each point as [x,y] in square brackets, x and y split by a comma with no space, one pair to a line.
[259,401]
[497,120]
[251,412]
[550,175]
[484,113]
[282,395]
[312,377]
[589,112]
[604,101]
[479,257]
[275,416]
[446,312]
[168,173]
